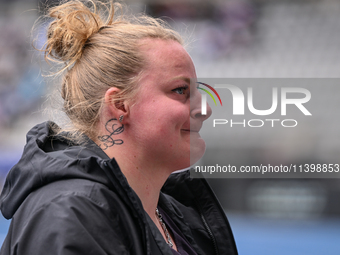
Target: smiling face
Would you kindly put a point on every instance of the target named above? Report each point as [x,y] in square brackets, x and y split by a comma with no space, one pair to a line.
[163,127]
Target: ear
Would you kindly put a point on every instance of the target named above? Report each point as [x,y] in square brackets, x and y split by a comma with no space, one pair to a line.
[116,108]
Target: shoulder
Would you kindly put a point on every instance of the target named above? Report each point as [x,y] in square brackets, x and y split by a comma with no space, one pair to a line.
[73,217]
[68,194]
[71,201]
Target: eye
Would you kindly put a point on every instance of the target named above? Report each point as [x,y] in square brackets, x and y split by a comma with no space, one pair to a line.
[181,90]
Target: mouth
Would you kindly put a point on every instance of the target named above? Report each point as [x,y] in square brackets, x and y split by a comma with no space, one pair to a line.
[191,130]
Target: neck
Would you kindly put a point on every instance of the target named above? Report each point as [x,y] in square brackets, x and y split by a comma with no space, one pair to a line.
[147,183]
[145,178]
[145,174]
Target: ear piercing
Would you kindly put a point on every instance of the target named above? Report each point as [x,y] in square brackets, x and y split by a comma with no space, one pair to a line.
[121,117]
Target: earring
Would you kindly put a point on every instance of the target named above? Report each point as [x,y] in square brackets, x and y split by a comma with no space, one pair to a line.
[121,117]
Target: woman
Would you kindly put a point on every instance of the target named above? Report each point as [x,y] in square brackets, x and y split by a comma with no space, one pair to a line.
[104,186]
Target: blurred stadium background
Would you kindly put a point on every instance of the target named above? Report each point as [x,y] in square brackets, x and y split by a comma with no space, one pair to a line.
[230,38]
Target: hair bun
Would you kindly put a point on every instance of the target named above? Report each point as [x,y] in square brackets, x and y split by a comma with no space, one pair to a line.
[74,23]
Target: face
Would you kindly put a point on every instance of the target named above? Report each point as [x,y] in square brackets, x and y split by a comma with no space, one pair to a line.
[166,113]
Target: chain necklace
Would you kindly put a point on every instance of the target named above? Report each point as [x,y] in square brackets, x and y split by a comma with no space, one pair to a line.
[166,232]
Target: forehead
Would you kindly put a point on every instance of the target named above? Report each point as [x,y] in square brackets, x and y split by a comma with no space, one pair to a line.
[165,54]
[167,64]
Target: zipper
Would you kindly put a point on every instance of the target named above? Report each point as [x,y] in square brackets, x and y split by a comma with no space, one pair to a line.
[206,226]
[222,212]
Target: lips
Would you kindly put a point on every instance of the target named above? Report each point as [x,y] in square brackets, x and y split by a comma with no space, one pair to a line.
[193,127]
[196,130]
[189,130]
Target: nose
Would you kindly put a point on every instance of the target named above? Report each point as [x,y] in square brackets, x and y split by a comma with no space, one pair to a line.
[196,107]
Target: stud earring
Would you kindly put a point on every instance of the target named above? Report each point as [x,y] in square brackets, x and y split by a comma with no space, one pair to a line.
[121,117]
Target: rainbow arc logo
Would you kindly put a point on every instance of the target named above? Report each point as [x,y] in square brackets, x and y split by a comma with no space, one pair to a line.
[204,97]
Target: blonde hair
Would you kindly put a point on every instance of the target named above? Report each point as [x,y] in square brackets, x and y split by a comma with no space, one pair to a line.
[99,49]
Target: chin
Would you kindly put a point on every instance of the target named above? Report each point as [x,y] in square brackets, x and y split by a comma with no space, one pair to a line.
[189,154]
[197,150]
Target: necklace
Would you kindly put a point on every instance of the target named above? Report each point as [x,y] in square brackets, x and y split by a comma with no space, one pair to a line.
[166,232]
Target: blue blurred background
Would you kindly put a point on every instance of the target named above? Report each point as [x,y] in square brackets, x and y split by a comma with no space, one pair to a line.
[231,38]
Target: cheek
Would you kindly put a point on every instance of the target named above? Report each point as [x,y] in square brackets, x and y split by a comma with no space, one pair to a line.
[162,111]
[159,121]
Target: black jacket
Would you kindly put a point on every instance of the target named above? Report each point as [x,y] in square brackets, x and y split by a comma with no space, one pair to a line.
[66,199]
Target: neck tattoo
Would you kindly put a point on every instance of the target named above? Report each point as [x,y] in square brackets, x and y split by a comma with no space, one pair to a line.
[166,232]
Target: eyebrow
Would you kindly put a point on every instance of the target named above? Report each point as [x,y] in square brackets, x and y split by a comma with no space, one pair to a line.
[186,79]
